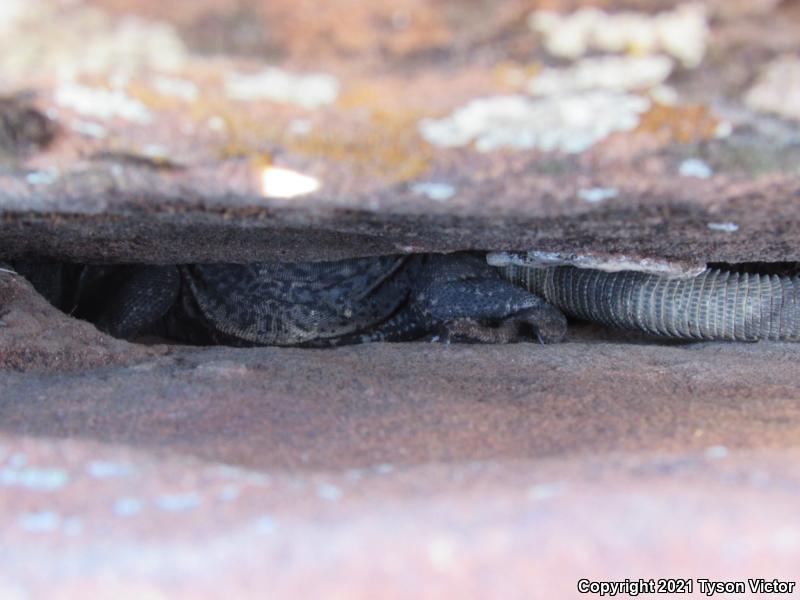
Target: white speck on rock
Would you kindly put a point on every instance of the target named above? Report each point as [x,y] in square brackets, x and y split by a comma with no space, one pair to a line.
[569,123]
[437,191]
[615,73]
[724,129]
[156,151]
[266,525]
[229,493]
[300,126]
[596,195]
[309,91]
[17,460]
[177,88]
[89,129]
[330,492]
[100,469]
[442,553]
[543,491]
[694,167]
[41,177]
[725,227]
[179,502]
[34,478]
[716,452]
[101,103]
[40,522]
[127,507]
[216,123]
[71,526]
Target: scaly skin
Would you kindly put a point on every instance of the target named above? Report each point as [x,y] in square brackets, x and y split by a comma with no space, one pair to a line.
[715,305]
[389,298]
[396,298]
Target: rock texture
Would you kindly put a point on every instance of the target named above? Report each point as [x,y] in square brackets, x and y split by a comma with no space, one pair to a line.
[232,134]
[208,130]
[402,469]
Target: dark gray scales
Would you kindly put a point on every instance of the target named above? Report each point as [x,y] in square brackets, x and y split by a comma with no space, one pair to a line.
[396,298]
[390,298]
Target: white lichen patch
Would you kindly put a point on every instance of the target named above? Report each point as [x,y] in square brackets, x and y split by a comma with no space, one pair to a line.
[727,227]
[601,262]
[127,507]
[229,493]
[434,190]
[681,33]
[300,126]
[596,195]
[544,491]
[45,521]
[279,182]
[329,492]
[716,452]
[102,103]
[569,123]
[617,73]
[174,87]
[694,167]
[41,177]
[88,129]
[70,39]
[777,89]
[33,478]
[178,502]
[102,469]
[48,521]
[276,85]
[265,525]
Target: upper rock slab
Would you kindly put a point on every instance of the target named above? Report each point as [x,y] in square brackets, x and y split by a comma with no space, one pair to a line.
[136,130]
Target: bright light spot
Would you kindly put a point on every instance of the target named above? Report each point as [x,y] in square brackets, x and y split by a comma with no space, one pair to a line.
[278,182]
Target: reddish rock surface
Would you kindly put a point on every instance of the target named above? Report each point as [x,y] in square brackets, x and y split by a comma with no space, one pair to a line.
[399,470]
[164,131]
[137,130]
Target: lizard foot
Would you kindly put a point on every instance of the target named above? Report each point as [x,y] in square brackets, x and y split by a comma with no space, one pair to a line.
[546,324]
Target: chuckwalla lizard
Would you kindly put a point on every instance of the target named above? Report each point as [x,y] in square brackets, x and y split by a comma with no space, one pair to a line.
[397,298]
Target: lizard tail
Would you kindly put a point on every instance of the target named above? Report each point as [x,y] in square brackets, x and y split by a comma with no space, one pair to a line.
[715,305]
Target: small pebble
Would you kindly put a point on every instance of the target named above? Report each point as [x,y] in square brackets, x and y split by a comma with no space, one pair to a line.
[726,227]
